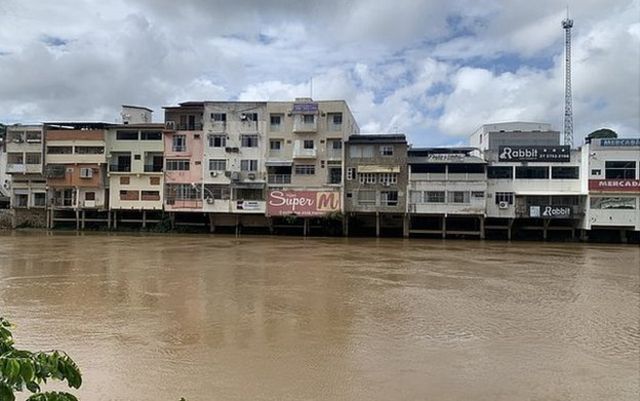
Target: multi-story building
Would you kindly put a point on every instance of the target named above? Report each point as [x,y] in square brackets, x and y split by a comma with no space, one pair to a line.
[493,136]
[376,182]
[75,167]
[304,160]
[613,170]
[24,149]
[234,173]
[447,190]
[5,180]
[183,147]
[135,151]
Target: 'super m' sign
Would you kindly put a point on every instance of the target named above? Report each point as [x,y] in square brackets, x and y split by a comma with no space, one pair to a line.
[302,203]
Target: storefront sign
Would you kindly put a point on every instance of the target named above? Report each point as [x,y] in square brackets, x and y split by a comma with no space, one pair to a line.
[248,205]
[550,212]
[620,142]
[613,185]
[305,108]
[302,203]
[534,153]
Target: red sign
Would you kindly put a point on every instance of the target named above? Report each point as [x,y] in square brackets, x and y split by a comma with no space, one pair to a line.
[302,203]
[614,185]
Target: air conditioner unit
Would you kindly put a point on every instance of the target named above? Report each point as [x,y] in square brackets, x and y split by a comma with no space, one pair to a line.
[227,173]
[86,172]
[89,203]
[18,140]
[252,176]
[243,117]
[210,200]
[170,125]
[235,176]
[214,173]
[503,205]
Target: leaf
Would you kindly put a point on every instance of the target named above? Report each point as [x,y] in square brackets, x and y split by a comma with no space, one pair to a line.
[6,394]
[27,371]
[33,387]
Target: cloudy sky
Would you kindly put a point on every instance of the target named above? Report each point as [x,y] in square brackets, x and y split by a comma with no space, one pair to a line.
[434,69]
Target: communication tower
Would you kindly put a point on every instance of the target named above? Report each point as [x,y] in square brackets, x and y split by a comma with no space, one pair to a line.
[567,24]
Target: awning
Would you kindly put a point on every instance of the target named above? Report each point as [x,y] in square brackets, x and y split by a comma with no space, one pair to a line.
[249,185]
[378,169]
[549,193]
[278,163]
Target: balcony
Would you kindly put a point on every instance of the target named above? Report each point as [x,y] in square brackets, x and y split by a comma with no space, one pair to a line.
[279,179]
[302,124]
[120,168]
[152,168]
[17,168]
[304,153]
[218,126]
[188,127]
[250,127]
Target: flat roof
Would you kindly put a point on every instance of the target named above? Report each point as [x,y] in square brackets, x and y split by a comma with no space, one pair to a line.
[137,107]
[368,138]
[78,124]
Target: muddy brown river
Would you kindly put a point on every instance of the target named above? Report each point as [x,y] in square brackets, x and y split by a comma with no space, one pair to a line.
[160,317]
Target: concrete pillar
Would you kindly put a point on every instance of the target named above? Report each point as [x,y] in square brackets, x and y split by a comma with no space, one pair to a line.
[545,224]
[212,226]
[115,219]
[305,227]
[144,219]
[406,225]
[377,224]
[109,219]
[14,219]
[83,218]
[509,229]
[77,219]
[482,232]
[172,219]
[584,235]
[444,226]
[237,225]
[51,217]
[345,225]
[623,236]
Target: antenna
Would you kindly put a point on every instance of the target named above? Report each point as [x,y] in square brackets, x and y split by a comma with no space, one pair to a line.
[567,24]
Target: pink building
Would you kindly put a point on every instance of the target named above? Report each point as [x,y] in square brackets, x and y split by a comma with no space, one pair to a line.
[183,144]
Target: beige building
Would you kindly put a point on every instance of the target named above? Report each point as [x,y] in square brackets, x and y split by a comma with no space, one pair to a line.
[24,149]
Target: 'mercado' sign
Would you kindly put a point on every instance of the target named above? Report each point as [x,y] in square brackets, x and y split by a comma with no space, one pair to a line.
[534,153]
[302,203]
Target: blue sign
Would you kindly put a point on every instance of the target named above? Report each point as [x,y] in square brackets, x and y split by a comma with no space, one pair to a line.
[305,107]
[620,142]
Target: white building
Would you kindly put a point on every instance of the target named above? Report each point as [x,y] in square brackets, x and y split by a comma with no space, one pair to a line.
[492,136]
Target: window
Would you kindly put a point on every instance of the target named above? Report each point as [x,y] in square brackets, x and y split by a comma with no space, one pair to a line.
[127,135]
[150,195]
[361,151]
[248,165]
[389,198]
[308,144]
[154,180]
[217,164]
[217,141]
[89,150]
[336,118]
[179,143]
[596,172]
[465,168]
[434,196]
[308,118]
[305,169]
[275,120]
[500,172]
[335,144]
[21,200]
[366,197]
[477,194]
[386,150]
[90,196]
[504,197]
[39,199]
[275,144]
[15,158]
[613,203]
[458,197]
[217,191]
[571,173]
[367,178]
[129,195]
[124,180]
[177,165]
[249,194]
[431,168]
[249,141]
[350,173]
[334,121]
[415,197]
[335,175]
[529,172]
[219,117]
[388,178]
[625,170]
[34,136]
[181,192]
[59,150]
[249,117]
[151,135]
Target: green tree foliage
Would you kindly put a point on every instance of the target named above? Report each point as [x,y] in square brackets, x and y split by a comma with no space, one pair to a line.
[603,133]
[22,370]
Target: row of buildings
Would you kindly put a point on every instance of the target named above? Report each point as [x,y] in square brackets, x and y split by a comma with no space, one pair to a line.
[304,164]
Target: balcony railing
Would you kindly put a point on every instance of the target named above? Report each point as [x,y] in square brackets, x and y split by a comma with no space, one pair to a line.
[152,168]
[279,178]
[304,153]
[300,126]
[189,127]
[120,168]
[16,168]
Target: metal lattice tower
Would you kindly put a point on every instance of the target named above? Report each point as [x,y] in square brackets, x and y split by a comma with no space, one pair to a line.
[567,24]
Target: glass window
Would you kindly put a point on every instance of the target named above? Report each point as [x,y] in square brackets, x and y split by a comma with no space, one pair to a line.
[248,165]
[249,141]
[477,194]
[361,151]
[127,195]
[386,150]
[15,158]
[415,196]
[275,119]
[308,144]
[89,150]
[504,197]
[179,143]
[571,173]
[305,169]
[432,168]
[458,197]
[532,172]
[366,197]
[59,150]
[336,144]
[389,198]
[500,172]
[151,135]
[613,203]
[217,191]
[308,118]
[625,170]
[275,144]
[251,194]
[219,117]
[217,141]
[434,196]
[367,178]
[39,199]
[124,180]
[127,135]
[596,172]
[177,165]
[90,196]
[217,164]
[388,178]
[337,118]
[150,195]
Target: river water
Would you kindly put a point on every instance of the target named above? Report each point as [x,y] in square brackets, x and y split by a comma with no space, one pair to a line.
[160,317]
